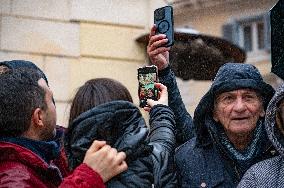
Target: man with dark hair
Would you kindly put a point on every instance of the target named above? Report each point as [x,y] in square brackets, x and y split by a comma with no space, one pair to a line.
[30,146]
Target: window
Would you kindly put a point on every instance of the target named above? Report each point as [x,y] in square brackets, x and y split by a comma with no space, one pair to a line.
[251,33]
[252,36]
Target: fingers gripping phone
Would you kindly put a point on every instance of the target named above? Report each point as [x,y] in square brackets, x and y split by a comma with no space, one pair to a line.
[147,77]
[163,19]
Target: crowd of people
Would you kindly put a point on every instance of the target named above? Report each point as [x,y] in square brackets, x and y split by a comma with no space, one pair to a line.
[235,139]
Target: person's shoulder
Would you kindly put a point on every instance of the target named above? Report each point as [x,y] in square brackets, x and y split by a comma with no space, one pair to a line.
[18,174]
[11,166]
[263,174]
[14,169]
[267,168]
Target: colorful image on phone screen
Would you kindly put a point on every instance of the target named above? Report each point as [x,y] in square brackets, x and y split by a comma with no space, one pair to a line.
[147,89]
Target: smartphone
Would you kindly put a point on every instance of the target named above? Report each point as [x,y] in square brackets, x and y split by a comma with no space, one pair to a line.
[163,19]
[147,77]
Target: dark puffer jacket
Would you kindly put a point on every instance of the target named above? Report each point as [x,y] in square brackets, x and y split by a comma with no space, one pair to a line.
[203,160]
[269,173]
[121,124]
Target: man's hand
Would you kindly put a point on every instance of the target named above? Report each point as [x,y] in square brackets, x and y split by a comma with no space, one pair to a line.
[163,97]
[158,55]
[105,160]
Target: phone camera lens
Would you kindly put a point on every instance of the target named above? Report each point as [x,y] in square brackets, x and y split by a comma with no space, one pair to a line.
[160,14]
[163,27]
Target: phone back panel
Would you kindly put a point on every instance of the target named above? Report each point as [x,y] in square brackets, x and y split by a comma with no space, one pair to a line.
[163,19]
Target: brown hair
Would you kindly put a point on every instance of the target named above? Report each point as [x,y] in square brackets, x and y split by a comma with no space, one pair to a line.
[95,92]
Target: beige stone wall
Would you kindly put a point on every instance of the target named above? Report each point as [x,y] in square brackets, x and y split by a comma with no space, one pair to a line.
[76,40]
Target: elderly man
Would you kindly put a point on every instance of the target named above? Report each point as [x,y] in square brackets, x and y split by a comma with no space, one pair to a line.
[30,145]
[227,134]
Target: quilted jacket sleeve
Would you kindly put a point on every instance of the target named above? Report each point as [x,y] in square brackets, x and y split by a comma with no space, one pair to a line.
[83,177]
[184,123]
[162,126]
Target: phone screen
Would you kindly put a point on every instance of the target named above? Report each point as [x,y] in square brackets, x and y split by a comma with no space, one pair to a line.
[147,77]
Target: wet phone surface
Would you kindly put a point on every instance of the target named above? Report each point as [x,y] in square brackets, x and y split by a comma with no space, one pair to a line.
[163,19]
[147,77]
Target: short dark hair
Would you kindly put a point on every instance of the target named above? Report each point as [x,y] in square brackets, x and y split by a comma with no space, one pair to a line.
[95,92]
[18,64]
[20,95]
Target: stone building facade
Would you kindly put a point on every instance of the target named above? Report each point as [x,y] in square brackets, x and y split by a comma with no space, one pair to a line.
[76,40]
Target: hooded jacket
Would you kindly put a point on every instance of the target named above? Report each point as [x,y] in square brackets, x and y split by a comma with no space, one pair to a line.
[219,164]
[270,172]
[121,124]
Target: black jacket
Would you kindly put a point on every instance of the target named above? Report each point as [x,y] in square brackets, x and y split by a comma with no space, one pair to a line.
[121,124]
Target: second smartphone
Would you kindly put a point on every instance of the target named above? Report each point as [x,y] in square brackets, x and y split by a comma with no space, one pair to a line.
[147,77]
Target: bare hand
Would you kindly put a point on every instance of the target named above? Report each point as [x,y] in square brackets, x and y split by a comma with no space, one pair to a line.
[105,160]
[163,97]
[158,55]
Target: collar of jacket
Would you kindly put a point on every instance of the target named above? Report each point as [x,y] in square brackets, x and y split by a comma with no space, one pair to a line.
[46,150]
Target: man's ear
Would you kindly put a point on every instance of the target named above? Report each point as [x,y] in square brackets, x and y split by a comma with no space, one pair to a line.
[37,117]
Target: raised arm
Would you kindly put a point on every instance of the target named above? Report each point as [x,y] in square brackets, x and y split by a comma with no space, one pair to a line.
[160,57]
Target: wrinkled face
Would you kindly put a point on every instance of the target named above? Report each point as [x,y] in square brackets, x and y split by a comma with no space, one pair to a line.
[49,114]
[238,111]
